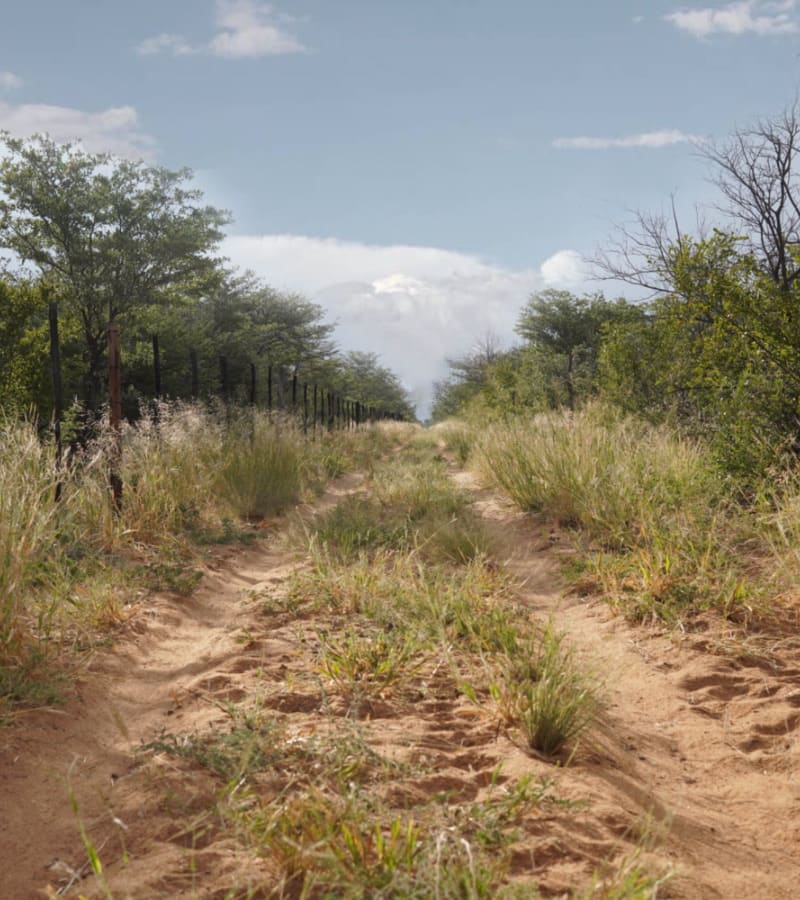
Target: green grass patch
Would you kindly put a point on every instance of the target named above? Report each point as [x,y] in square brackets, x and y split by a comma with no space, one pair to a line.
[545,693]
[658,531]
[410,505]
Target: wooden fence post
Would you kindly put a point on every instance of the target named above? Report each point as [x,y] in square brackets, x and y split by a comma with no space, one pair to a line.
[58,390]
[115,413]
[157,366]
[195,374]
[223,377]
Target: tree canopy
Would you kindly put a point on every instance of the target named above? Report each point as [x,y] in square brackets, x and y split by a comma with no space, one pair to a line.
[556,364]
[115,240]
[110,237]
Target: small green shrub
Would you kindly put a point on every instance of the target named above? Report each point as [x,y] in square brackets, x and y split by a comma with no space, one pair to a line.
[369,664]
[545,693]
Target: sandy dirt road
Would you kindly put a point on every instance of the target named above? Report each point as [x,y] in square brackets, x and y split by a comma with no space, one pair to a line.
[695,753]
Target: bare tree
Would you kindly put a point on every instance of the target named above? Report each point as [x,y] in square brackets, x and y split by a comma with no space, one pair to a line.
[757,173]
[641,252]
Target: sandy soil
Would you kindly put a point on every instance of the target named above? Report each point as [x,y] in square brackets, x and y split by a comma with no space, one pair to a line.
[698,732]
[696,749]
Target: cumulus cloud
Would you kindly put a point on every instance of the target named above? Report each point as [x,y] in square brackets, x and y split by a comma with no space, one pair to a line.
[9,81]
[244,29]
[565,269]
[414,306]
[115,130]
[759,17]
[651,140]
[247,28]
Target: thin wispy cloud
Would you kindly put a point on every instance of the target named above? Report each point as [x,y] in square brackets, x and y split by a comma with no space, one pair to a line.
[175,44]
[651,140]
[115,130]
[9,82]
[759,17]
[245,29]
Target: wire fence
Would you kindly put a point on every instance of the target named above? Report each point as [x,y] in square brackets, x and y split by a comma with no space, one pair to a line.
[274,388]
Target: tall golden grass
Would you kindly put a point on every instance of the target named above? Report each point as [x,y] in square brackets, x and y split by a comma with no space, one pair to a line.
[662,532]
[187,472]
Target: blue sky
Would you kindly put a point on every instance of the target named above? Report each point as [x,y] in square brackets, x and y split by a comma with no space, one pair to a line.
[416,167]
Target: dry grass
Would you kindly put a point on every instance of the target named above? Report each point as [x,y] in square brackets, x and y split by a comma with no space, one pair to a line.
[657,529]
[191,476]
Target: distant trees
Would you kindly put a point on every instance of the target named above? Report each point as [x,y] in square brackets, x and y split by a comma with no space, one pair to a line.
[566,331]
[469,376]
[361,376]
[556,365]
[114,240]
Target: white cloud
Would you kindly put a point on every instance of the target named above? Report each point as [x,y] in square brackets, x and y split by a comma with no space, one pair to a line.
[115,130]
[166,43]
[9,81]
[414,306]
[565,269]
[248,29]
[244,29]
[648,140]
[759,17]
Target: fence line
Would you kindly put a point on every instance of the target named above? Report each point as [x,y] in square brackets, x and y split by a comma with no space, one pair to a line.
[329,409]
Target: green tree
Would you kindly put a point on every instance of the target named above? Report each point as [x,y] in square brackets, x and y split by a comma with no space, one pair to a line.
[467,378]
[717,354]
[566,332]
[363,379]
[110,237]
[24,374]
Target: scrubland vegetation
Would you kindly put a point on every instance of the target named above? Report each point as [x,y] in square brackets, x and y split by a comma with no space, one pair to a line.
[660,439]
[114,241]
[192,477]
[663,433]
[658,530]
[403,604]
